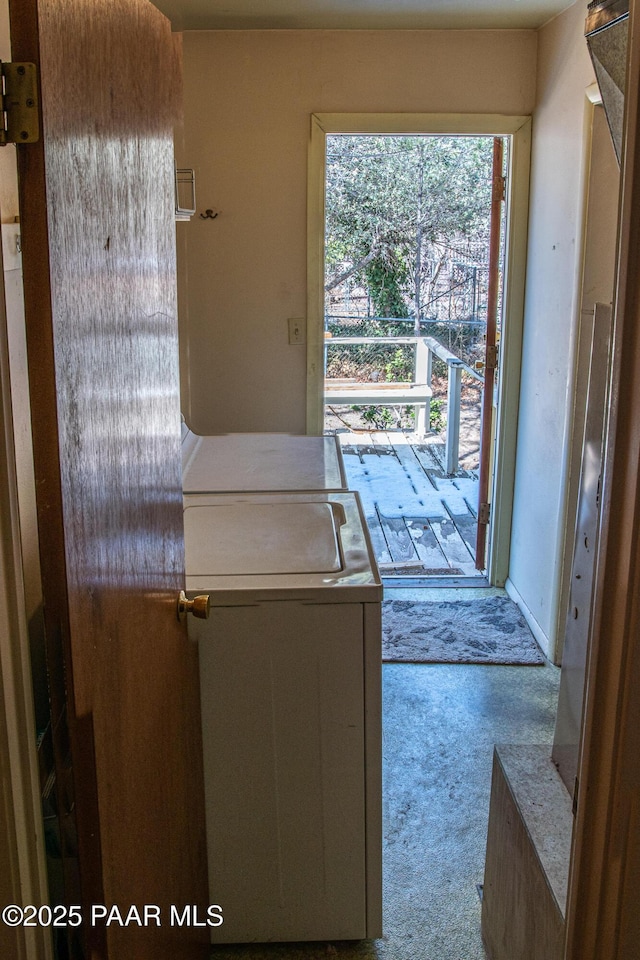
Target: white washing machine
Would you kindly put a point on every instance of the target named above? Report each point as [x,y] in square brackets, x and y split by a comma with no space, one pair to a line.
[260,462]
[290,669]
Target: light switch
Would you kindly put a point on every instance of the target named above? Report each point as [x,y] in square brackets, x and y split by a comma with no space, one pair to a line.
[296,330]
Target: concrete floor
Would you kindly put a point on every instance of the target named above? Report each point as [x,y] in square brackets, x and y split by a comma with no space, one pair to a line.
[440,724]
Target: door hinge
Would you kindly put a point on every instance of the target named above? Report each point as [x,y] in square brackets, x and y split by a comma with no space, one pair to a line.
[576,789]
[484,512]
[19,103]
[500,188]
[492,357]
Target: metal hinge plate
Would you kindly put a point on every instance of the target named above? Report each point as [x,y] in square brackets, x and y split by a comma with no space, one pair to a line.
[500,188]
[492,357]
[484,512]
[19,96]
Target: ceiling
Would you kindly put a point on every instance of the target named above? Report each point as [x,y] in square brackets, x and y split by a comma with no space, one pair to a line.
[360,14]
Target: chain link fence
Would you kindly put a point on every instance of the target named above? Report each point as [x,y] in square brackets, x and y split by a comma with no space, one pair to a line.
[394,363]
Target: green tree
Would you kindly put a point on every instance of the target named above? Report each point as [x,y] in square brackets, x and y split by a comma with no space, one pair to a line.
[396,208]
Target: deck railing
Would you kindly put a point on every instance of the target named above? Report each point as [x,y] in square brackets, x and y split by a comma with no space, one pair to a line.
[385,393]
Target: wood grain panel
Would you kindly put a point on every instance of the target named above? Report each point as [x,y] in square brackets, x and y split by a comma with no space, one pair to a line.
[520,915]
[99,249]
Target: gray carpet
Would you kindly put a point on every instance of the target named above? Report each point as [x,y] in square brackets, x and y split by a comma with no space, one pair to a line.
[487,630]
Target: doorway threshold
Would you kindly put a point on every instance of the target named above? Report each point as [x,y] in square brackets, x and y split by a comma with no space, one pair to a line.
[396,582]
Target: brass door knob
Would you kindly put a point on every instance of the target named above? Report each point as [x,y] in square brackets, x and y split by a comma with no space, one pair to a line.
[199,606]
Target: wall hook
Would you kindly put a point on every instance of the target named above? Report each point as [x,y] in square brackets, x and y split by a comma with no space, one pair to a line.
[208,215]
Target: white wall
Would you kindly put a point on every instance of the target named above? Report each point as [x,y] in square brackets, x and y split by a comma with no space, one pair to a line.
[248,100]
[552,310]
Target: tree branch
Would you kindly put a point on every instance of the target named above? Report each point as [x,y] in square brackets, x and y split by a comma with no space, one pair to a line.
[332,284]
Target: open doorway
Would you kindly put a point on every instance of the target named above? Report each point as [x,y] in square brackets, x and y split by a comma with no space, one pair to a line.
[399,241]
[414,230]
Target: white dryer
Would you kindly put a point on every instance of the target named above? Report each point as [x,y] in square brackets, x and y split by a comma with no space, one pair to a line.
[260,462]
[290,669]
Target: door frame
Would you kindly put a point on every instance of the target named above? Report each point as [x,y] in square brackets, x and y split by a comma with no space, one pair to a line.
[22,837]
[518,128]
[602,914]
[584,319]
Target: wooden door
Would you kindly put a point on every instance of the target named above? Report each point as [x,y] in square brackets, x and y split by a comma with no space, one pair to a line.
[490,358]
[100,296]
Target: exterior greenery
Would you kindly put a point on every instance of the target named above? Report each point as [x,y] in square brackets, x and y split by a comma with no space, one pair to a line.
[406,252]
[407,225]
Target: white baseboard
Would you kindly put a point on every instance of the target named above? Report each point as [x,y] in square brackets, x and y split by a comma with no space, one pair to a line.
[542,639]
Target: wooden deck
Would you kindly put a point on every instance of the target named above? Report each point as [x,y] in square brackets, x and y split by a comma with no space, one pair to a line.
[422,522]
